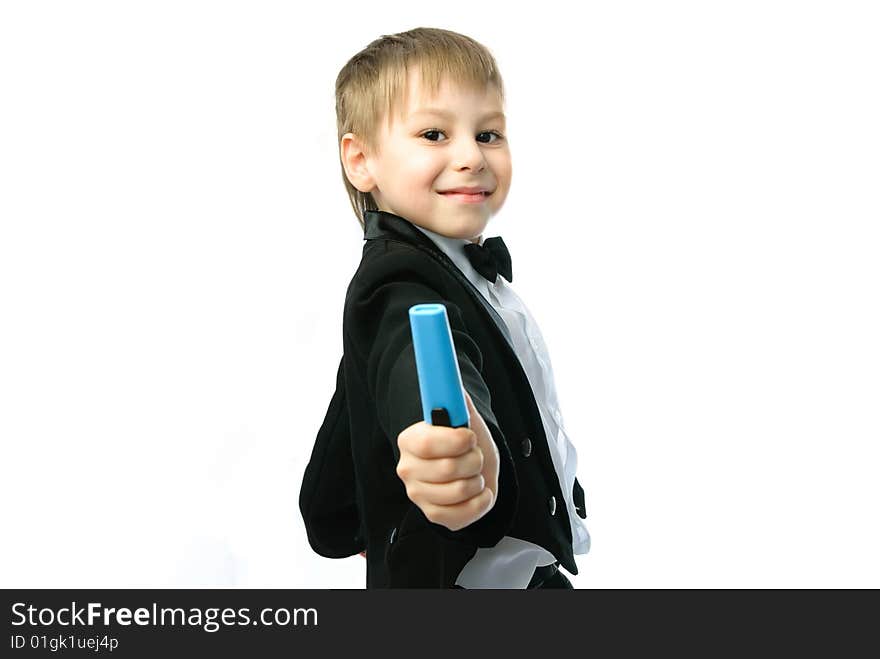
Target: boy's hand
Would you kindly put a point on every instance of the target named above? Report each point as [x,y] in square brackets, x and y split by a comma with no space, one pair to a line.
[450,473]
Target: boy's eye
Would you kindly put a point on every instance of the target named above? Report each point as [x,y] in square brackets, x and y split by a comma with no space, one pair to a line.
[432,131]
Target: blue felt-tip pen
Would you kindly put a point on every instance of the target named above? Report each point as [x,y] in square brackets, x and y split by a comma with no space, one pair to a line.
[442,392]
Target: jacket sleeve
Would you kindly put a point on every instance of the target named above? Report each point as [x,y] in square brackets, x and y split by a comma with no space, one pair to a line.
[381,316]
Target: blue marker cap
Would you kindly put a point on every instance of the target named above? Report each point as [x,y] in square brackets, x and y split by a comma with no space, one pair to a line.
[439,377]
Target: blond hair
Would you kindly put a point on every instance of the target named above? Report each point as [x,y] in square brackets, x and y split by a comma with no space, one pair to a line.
[372,85]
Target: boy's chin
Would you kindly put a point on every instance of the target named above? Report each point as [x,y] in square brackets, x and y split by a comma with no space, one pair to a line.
[462,225]
[470,231]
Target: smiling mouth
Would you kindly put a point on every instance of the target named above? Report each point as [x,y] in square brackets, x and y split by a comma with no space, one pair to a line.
[468,199]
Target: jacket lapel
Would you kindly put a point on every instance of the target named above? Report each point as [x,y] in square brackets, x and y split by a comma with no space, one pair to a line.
[382,224]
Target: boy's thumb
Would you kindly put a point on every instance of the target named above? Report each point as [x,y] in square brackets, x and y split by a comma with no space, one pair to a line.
[471,408]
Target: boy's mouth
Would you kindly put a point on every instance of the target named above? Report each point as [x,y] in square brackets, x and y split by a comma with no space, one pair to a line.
[468,190]
[467,197]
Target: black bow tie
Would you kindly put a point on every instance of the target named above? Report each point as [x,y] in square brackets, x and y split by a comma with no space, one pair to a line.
[490,259]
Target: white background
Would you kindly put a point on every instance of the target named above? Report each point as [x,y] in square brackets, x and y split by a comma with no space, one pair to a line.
[693,221]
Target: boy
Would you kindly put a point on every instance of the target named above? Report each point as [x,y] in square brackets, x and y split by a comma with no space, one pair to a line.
[495,505]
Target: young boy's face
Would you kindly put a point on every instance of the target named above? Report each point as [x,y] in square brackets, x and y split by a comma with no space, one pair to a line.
[422,155]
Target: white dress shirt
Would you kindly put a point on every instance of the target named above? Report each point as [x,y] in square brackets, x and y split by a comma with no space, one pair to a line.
[512,561]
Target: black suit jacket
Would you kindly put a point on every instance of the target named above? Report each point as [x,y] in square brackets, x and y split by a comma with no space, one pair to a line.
[351,497]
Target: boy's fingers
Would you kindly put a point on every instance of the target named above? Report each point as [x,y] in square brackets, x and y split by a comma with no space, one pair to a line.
[446,470]
[457,516]
[427,441]
[452,493]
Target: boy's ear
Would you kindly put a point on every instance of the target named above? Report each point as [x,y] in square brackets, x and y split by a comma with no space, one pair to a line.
[354,160]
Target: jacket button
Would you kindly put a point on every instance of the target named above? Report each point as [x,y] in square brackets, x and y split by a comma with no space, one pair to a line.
[526,447]
[552,504]
[392,536]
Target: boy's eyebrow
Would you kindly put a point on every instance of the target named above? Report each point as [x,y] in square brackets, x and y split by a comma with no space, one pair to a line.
[444,113]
